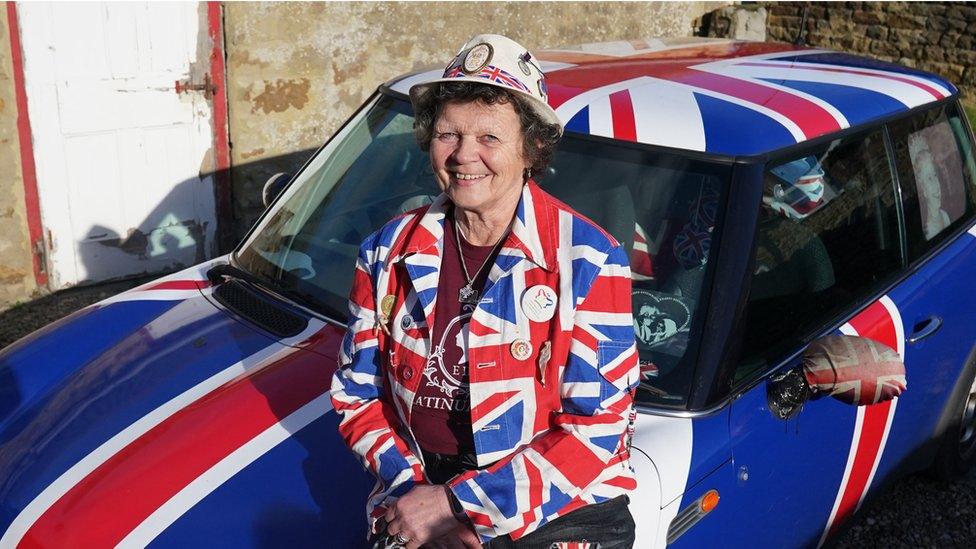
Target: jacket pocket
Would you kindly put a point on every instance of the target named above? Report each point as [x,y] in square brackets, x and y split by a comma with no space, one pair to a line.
[609,352]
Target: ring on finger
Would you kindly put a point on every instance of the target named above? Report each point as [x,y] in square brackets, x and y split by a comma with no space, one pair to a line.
[400,540]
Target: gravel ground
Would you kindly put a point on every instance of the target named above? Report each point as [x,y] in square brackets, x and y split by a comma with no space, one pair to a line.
[918,512]
[914,512]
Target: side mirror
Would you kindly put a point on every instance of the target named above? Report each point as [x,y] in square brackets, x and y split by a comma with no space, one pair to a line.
[854,370]
[273,187]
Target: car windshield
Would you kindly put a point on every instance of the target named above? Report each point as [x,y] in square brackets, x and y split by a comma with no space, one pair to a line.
[661,206]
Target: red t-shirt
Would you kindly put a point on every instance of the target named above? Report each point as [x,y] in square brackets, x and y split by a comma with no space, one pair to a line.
[441,413]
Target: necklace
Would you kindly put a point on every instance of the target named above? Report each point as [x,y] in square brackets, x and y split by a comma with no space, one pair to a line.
[467,294]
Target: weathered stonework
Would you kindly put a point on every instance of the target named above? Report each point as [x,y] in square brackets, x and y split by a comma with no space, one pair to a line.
[934,36]
[298,70]
[16,262]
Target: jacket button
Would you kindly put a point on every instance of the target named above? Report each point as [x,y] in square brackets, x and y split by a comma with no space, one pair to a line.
[407,373]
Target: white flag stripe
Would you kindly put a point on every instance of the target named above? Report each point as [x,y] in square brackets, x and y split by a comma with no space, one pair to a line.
[669,115]
[601,119]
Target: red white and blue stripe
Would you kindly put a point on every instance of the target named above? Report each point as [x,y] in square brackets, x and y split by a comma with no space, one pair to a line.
[698,95]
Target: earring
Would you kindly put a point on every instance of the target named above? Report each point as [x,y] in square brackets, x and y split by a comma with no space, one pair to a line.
[528,174]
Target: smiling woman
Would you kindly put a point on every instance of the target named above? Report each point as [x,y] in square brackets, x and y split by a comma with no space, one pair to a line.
[467,409]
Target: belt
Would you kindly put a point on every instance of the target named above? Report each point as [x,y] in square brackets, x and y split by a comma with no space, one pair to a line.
[440,468]
[464,460]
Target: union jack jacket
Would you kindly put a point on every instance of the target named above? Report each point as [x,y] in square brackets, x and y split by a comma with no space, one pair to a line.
[554,423]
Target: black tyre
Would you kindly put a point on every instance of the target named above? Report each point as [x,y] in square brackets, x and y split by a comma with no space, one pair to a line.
[957,452]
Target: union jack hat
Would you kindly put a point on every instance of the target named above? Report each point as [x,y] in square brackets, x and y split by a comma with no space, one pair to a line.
[499,61]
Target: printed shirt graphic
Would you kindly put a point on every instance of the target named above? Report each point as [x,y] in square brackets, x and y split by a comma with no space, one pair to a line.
[441,417]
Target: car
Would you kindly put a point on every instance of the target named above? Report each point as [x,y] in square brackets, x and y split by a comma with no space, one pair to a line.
[775,200]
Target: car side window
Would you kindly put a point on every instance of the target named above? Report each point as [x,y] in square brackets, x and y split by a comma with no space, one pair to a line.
[827,237]
[934,162]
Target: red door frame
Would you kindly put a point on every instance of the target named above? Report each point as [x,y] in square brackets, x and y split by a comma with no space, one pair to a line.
[221,139]
[28,169]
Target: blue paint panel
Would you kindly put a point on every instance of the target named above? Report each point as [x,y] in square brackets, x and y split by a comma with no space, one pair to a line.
[942,287]
[111,388]
[856,104]
[723,123]
[711,445]
[716,529]
[794,470]
[61,346]
[796,467]
[309,491]
[854,61]
[580,122]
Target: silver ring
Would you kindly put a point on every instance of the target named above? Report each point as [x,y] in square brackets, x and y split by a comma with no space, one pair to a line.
[400,540]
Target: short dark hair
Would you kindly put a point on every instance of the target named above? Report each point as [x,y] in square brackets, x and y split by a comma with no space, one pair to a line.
[539,137]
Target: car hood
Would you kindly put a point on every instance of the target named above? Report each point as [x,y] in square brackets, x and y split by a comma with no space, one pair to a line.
[138,419]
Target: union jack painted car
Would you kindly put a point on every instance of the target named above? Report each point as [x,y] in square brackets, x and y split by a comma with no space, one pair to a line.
[768,197]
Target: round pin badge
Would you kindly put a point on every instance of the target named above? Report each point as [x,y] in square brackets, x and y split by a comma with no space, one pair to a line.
[524,67]
[386,305]
[521,349]
[539,303]
[477,58]
[406,322]
[543,91]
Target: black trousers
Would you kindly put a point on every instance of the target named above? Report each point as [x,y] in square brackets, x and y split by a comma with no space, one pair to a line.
[607,525]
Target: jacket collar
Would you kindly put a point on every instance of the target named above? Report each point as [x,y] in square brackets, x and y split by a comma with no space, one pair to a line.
[533,233]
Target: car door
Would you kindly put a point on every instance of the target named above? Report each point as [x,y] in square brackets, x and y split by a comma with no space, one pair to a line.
[828,246]
[935,169]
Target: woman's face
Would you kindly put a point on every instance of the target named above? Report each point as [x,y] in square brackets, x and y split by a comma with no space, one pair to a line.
[476,152]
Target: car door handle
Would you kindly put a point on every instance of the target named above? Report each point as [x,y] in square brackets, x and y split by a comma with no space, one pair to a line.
[925,328]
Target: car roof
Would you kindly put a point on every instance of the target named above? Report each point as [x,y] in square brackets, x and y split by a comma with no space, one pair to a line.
[720,96]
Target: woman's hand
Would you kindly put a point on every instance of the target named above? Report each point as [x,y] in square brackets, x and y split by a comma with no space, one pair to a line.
[461,537]
[420,515]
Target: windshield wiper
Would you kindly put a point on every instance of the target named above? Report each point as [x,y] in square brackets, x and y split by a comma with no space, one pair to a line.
[217,273]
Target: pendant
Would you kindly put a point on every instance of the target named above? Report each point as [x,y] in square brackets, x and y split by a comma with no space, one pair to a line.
[468,295]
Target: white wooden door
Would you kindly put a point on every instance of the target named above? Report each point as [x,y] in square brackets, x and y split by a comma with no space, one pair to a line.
[119,152]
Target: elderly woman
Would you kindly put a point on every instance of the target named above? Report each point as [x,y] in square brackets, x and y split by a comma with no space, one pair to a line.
[489,366]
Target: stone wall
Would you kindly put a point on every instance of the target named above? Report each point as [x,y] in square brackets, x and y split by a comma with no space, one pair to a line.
[298,70]
[16,261]
[938,37]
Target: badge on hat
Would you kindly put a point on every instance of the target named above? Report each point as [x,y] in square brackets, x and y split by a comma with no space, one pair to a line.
[523,63]
[477,58]
[539,303]
[521,349]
